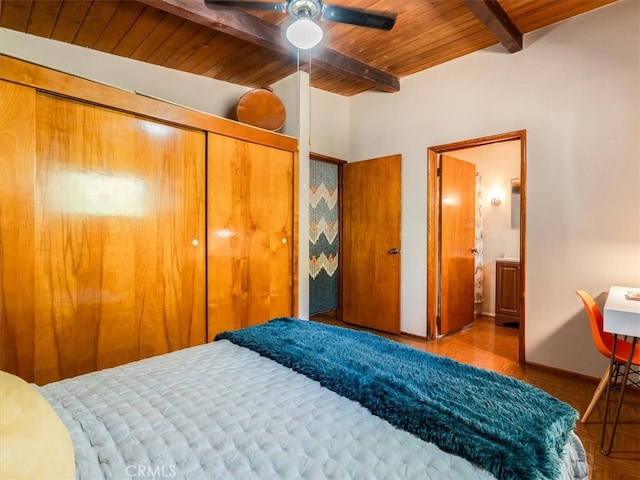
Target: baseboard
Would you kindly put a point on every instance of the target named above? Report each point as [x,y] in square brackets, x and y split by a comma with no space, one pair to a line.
[573,375]
[564,373]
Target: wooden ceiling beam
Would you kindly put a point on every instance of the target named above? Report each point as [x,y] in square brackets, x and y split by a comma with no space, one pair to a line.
[493,16]
[240,24]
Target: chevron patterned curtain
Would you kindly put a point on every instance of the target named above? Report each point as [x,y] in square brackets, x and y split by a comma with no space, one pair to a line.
[323,237]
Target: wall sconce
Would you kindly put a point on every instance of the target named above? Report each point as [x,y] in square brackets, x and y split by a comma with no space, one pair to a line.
[495,196]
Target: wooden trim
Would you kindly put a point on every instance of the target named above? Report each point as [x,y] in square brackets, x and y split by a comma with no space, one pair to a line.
[432,243]
[339,315]
[478,142]
[295,236]
[433,220]
[523,243]
[340,229]
[59,83]
[326,159]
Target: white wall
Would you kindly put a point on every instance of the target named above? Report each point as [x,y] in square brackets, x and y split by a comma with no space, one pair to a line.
[575,88]
[320,120]
[329,124]
[295,93]
[324,114]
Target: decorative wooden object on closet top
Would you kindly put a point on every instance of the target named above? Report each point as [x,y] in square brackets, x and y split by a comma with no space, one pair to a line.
[261,108]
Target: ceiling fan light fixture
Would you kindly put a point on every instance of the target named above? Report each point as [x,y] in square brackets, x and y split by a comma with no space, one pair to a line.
[304,33]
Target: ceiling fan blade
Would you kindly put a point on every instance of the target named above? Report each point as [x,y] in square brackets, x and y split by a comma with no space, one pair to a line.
[354,16]
[280,7]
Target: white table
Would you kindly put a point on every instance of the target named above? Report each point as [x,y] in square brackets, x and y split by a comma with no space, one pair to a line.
[621,317]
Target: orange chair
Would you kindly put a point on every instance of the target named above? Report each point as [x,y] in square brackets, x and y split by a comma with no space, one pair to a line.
[604,343]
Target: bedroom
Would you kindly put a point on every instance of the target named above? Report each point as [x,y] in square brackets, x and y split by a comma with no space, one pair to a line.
[574,88]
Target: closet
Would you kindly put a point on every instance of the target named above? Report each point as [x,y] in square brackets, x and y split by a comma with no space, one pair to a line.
[250,245]
[130,227]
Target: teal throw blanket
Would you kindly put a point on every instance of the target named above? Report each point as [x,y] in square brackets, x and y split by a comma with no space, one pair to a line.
[512,429]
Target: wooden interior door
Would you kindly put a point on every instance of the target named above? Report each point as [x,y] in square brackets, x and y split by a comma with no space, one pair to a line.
[250,233]
[371,241]
[113,255]
[457,243]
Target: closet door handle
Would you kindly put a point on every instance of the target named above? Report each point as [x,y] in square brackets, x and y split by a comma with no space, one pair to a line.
[393,251]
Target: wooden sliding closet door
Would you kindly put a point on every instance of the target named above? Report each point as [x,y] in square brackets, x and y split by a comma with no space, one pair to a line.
[117,240]
[250,233]
[17,282]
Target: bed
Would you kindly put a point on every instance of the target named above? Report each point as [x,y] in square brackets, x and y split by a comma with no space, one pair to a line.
[292,399]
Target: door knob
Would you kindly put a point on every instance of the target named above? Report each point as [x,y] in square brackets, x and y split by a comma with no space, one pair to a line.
[393,251]
[474,250]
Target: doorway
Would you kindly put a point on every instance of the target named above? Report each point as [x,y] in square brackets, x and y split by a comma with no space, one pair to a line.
[434,224]
[325,222]
[372,212]
[368,252]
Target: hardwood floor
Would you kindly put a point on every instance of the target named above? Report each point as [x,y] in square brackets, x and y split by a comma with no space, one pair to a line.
[495,348]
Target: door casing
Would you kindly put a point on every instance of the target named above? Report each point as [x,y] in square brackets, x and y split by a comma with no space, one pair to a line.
[433,223]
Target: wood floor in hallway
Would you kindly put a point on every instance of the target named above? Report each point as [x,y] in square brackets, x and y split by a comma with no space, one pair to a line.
[494,347]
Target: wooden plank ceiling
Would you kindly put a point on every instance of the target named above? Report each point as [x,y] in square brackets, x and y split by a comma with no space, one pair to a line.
[247,47]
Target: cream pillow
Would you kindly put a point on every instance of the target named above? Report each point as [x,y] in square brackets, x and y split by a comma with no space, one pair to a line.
[34,443]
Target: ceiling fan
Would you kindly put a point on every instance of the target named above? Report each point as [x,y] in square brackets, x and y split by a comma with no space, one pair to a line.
[304,33]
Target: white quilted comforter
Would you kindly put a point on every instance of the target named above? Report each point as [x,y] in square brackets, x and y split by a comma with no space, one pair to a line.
[220,411]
